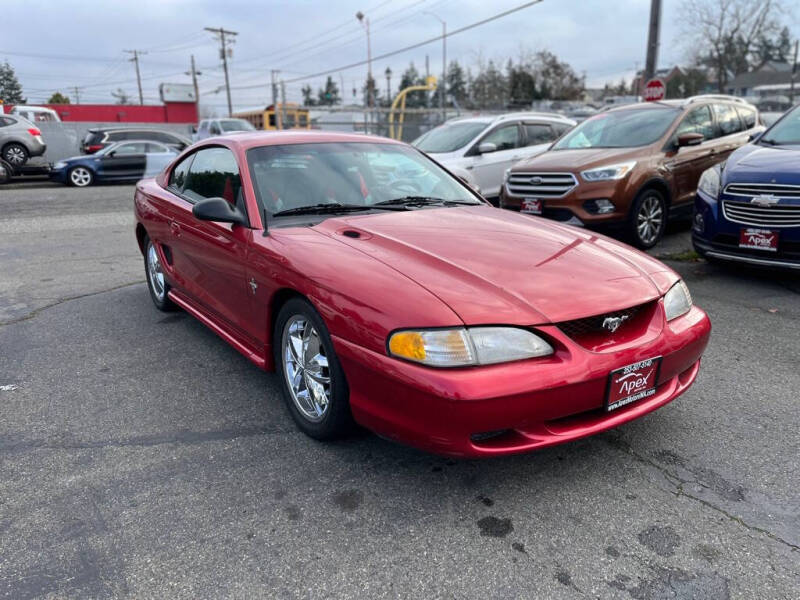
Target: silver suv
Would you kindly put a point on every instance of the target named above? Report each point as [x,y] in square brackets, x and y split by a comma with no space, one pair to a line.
[19,140]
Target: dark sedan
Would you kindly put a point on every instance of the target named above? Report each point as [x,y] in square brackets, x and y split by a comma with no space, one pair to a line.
[122,161]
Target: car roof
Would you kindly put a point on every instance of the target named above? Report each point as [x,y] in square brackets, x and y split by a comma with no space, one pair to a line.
[541,116]
[254,139]
[683,103]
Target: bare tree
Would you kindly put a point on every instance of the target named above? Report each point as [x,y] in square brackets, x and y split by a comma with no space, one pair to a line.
[726,34]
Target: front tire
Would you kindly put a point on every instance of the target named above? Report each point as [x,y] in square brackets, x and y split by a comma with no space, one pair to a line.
[156,282]
[648,219]
[80,176]
[313,383]
[15,154]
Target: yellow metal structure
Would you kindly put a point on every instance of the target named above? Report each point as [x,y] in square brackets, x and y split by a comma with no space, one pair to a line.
[284,116]
[400,99]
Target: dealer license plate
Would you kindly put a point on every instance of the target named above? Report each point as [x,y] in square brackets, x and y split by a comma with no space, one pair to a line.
[531,206]
[631,383]
[758,239]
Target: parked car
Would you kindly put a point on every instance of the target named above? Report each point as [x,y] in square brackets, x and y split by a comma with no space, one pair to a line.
[19,140]
[36,114]
[211,127]
[747,209]
[98,138]
[631,167]
[770,117]
[120,161]
[487,146]
[384,291]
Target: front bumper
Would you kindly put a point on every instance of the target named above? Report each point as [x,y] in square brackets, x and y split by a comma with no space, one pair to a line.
[58,175]
[520,406]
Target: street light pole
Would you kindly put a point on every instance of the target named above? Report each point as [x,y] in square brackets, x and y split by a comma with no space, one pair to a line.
[443,84]
[388,73]
[365,22]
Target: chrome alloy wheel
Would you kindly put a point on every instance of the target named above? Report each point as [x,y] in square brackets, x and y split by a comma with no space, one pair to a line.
[155,274]
[15,155]
[305,367]
[649,220]
[80,176]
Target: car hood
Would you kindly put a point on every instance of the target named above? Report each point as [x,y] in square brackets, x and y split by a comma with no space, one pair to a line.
[492,266]
[576,159]
[756,163]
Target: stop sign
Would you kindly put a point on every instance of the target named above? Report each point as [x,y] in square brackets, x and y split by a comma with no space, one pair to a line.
[655,89]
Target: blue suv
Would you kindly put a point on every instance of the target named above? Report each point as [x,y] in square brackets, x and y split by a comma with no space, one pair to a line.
[747,209]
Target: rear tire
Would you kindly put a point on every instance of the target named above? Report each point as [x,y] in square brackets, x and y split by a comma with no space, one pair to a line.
[648,219]
[311,378]
[15,154]
[156,281]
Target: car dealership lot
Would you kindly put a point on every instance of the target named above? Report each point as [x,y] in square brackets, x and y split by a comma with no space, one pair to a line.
[141,456]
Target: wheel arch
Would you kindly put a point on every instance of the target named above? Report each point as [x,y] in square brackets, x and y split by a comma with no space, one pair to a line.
[659,184]
[141,233]
[276,303]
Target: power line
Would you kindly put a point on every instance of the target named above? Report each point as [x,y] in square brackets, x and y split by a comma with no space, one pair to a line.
[405,49]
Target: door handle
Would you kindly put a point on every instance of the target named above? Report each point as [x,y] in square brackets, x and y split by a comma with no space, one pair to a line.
[174,228]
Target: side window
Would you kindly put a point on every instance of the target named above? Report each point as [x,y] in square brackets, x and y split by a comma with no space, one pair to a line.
[177,178]
[132,148]
[748,116]
[156,148]
[117,136]
[214,174]
[203,126]
[698,120]
[214,128]
[538,133]
[727,119]
[561,128]
[505,137]
[4,122]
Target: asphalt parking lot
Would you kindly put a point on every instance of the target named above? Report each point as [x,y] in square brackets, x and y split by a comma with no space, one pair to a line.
[141,456]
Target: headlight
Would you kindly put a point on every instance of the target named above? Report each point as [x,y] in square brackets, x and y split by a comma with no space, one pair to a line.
[463,347]
[709,181]
[506,173]
[60,165]
[677,301]
[609,172]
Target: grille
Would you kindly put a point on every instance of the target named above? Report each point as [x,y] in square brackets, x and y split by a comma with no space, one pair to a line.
[541,185]
[777,215]
[588,325]
[757,189]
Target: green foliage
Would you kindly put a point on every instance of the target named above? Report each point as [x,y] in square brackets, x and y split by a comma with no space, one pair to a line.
[308,99]
[58,98]
[329,95]
[10,88]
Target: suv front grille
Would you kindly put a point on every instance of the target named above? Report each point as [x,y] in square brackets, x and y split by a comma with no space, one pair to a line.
[776,215]
[592,325]
[541,185]
[767,189]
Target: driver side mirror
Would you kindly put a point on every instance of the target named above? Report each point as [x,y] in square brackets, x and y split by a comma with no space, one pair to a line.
[194,128]
[486,148]
[220,210]
[690,139]
[754,136]
[112,154]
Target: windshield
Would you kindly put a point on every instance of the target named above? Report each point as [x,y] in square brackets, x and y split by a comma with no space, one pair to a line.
[235,125]
[620,129]
[785,131]
[293,176]
[449,138]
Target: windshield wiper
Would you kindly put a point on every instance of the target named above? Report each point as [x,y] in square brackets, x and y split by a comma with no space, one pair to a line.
[328,207]
[770,142]
[424,201]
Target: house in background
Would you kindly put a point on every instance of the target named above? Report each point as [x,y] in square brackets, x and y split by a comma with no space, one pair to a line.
[773,79]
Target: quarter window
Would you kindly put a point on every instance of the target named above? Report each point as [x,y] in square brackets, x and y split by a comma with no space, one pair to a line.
[697,121]
[505,137]
[132,148]
[177,178]
[538,134]
[214,174]
[727,119]
[748,116]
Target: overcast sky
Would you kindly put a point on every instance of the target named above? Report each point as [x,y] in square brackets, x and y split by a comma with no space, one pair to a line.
[81,42]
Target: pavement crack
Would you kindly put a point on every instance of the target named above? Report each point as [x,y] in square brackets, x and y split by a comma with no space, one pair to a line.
[34,313]
[679,484]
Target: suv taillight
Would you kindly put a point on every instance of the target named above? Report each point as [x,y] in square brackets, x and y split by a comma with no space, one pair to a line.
[34,131]
[94,148]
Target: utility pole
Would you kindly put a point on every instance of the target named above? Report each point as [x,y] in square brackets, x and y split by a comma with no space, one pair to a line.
[443,84]
[283,102]
[794,72]
[194,73]
[370,84]
[652,40]
[221,32]
[77,91]
[135,61]
[278,119]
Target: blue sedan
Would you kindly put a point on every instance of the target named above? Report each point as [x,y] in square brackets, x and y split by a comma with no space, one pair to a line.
[130,160]
[747,210]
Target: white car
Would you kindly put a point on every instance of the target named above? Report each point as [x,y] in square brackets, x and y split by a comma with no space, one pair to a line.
[484,147]
[36,114]
[211,127]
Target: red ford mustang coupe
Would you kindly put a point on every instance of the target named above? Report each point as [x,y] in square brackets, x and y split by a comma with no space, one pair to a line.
[385,292]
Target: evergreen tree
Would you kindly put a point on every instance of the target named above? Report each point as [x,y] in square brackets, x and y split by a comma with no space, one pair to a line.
[329,95]
[307,92]
[370,92]
[10,89]
[456,82]
[490,87]
[412,77]
[58,98]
